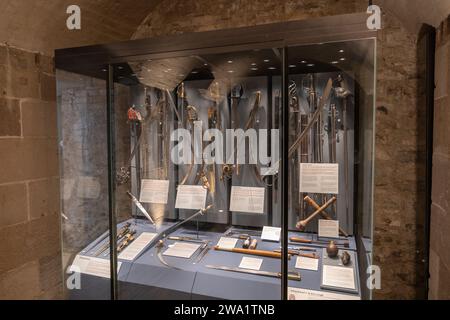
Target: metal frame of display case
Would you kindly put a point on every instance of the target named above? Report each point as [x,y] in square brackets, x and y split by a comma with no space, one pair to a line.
[97,61]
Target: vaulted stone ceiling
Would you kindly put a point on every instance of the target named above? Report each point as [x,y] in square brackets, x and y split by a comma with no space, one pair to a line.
[413,13]
[40,25]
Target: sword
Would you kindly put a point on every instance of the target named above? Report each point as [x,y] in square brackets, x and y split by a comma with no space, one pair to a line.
[192,116]
[165,233]
[292,275]
[230,169]
[314,118]
[312,121]
[160,247]
[343,93]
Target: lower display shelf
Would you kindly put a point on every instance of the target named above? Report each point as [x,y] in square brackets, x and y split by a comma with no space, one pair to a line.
[153,274]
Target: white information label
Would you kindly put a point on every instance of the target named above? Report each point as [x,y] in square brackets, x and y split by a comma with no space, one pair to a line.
[329,228]
[250,263]
[131,252]
[247,199]
[182,250]
[306,294]
[319,178]
[190,197]
[93,266]
[339,277]
[271,234]
[227,243]
[307,263]
[154,191]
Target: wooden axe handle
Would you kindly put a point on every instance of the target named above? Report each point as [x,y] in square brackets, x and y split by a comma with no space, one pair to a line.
[261,253]
[300,240]
[314,204]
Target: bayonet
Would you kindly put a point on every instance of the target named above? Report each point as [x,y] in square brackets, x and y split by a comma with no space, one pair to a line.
[121,232]
[187,239]
[129,237]
[100,240]
[292,275]
[202,254]
[300,254]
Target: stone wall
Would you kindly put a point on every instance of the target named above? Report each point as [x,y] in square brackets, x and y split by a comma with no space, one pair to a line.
[30,244]
[30,264]
[399,164]
[399,172]
[440,208]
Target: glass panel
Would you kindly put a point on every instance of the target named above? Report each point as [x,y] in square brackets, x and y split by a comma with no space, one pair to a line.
[84,185]
[195,211]
[331,104]
[187,226]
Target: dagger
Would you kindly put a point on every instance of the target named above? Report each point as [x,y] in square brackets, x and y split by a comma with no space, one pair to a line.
[140,207]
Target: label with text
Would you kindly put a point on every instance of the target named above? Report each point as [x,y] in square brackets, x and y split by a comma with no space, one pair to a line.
[250,263]
[271,234]
[154,191]
[319,178]
[328,228]
[132,251]
[94,266]
[247,199]
[190,197]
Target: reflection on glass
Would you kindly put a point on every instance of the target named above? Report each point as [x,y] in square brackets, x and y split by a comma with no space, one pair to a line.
[84,186]
[193,150]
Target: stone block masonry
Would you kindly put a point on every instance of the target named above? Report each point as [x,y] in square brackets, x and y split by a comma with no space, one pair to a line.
[29,182]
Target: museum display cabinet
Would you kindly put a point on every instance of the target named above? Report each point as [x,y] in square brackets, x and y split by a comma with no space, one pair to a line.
[231,164]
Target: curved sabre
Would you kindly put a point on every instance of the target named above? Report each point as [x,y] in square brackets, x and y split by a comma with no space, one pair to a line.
[160,247]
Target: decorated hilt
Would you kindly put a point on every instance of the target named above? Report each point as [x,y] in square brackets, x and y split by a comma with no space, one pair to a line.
[134,114]
[293,97]
[192,113]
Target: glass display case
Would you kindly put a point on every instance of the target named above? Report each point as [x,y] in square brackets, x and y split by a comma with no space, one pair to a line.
[233,164]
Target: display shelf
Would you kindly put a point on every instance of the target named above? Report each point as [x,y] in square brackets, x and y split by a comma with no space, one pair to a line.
[147,277]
